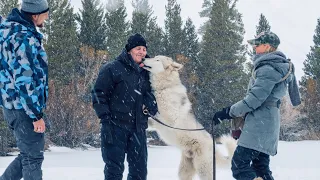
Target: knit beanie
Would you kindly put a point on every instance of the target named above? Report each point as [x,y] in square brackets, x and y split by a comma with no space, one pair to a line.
[134,41]
[35,6]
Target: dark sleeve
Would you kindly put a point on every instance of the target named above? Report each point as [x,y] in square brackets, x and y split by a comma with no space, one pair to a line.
[102,92]
[149,99]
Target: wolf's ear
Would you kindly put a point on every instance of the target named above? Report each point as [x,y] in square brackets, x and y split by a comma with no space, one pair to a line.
[176,66]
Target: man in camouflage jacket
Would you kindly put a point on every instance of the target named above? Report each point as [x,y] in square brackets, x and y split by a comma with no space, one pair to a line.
[24,86]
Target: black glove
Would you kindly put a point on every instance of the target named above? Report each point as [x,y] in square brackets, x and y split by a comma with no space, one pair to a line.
[105,119]
[221,115]
[150,104]
[107,130]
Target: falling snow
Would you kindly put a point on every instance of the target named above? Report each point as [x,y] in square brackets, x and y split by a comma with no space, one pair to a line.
[68,107]
[138,92]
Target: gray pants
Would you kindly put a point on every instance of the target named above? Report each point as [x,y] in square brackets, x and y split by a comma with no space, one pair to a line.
[31,145]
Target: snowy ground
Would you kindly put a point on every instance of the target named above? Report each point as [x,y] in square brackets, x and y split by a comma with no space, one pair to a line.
[295,161]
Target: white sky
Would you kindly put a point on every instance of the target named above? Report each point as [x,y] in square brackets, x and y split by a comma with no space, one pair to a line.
[294,21]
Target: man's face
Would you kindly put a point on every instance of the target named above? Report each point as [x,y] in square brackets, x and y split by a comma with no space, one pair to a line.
[138,53]
[40,19]
[262,48]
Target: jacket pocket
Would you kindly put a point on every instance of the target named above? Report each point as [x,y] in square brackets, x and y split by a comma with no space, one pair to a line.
[11,118]
[123,116]
[264,119]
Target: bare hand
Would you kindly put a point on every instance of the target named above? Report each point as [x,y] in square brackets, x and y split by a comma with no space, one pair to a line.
[39,126]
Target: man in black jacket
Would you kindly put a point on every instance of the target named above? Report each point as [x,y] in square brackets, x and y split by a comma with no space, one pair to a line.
[121,91]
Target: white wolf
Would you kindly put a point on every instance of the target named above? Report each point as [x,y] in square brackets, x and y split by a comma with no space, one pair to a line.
[175,110]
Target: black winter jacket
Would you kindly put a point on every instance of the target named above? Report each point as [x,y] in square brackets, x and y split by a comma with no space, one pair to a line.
[120,91]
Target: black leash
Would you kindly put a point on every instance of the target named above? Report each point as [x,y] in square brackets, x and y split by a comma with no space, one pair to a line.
[162,123]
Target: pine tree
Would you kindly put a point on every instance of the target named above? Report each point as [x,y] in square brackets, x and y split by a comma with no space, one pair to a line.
[311,64]
[92,25]
[154,38]
[311,83]
[189,58]
[70,77]
[222,80]
[263,25]
[63,45]
[190,44]
[173,29]
[6,6]
[117,27]
[145,24]
[205,13]
[190,52]
[141,16]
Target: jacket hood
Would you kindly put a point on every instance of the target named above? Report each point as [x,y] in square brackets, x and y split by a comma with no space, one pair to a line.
[18,22]
[275,57]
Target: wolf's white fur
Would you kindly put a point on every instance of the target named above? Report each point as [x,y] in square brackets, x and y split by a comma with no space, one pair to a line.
[175,110]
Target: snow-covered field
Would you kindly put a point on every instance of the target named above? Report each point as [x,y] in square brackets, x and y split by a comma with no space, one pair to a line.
[295,161]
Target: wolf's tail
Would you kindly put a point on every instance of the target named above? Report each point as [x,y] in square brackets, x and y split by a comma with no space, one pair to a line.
[230,144]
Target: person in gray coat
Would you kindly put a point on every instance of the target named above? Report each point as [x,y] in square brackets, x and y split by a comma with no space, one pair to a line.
[272,75]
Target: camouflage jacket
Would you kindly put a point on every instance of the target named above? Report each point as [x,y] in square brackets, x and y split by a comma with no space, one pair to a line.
[24,66]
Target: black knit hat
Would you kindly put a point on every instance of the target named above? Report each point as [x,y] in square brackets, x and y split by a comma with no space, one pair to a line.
[134,41]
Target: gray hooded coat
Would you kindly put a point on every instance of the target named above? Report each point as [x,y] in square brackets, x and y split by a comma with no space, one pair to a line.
[262,120]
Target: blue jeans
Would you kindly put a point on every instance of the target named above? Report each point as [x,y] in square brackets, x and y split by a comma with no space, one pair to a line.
[115,143]
[31,145]
[248,164]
